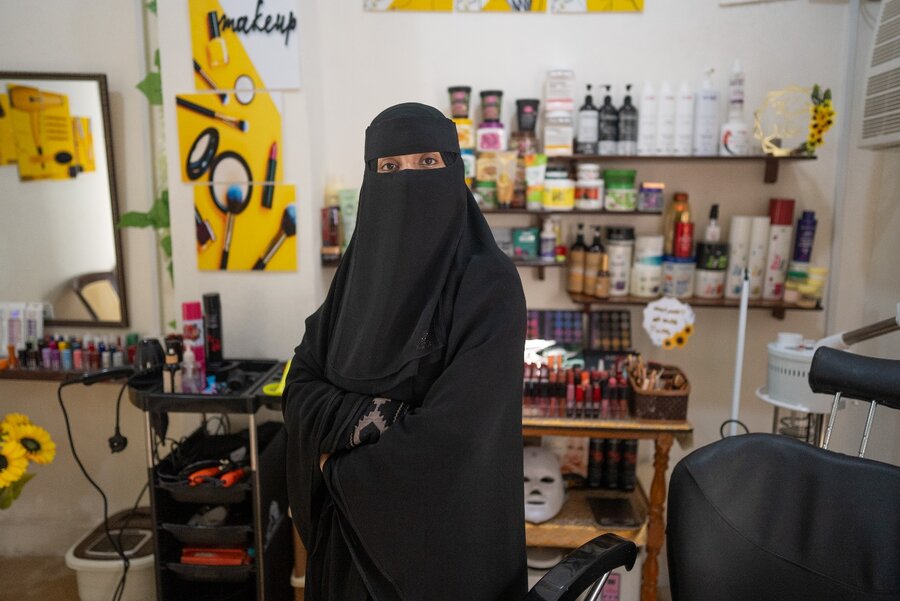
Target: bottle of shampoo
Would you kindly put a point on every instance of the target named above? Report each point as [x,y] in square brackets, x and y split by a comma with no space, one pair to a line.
[592,261]
[803,243]
[628,126]
[706,119]
[684,120]
[647,120]
[735,136]
[665,132]
[609,126]
[781,216]
[677,211]
[588,126]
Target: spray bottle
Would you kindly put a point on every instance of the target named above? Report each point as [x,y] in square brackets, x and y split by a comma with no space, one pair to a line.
[647,120]
[706,120]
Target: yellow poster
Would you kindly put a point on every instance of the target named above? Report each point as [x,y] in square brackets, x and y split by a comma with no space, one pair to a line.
[242,227]
[489,6]
[8,154]
[42,130]
[409,5]
[596,6]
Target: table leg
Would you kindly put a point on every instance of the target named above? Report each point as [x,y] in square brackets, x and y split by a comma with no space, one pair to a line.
[656,529]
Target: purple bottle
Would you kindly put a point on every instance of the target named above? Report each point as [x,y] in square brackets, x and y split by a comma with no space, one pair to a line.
[806,233]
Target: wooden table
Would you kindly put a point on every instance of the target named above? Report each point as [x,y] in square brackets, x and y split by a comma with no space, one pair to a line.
[663,434]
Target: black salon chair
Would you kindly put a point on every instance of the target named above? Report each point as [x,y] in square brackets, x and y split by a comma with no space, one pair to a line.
[765,517]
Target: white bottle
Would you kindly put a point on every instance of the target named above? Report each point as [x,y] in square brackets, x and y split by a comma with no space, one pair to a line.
[665,127]
[647,120]
[706,119]
[684,120]
[548,241]
[190,372]
[735,135]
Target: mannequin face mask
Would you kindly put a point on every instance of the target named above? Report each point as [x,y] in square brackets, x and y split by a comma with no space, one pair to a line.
[544,494]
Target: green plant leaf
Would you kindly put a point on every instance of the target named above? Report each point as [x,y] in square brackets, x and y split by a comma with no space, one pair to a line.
[166,243]
[159,212]
[171,272]
[151,86]
[151,6]
[135,219]
[172,325]
[17,486]
[5,498]
[156,58]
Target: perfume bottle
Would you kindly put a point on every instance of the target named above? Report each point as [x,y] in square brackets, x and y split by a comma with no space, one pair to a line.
[216,50]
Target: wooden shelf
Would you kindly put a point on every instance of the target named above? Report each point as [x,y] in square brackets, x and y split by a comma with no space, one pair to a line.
[574,525]
[571,212]
[771,163]
[778,308]
[682,430]
[44,375]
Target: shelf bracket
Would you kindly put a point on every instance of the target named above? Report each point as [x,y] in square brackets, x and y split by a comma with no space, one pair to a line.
[779,312]
[771,175]
[540,273]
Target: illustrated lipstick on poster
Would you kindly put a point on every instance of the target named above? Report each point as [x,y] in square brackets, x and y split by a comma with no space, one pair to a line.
[268,188]
[288,229]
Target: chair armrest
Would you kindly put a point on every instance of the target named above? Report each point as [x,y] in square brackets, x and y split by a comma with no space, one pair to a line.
[582,567]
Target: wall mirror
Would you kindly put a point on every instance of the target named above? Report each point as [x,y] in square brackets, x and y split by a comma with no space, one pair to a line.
[58,202]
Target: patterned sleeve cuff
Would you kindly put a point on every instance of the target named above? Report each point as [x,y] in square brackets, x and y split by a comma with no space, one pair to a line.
[374,419]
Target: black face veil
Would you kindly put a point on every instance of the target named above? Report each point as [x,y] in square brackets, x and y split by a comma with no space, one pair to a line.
[409,224]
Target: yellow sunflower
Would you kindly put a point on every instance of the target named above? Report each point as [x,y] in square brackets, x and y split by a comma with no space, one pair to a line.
[668,343]
[13,462]
[36,441]
[688,329]
[680,340]
[16,419]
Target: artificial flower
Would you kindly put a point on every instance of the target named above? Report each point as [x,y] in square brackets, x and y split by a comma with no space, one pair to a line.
[36,441]
[13,462]
[16,419]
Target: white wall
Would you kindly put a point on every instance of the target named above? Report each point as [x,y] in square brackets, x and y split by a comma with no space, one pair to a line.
[85,37]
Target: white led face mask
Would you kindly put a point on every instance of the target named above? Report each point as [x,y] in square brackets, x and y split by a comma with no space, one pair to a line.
[544,493]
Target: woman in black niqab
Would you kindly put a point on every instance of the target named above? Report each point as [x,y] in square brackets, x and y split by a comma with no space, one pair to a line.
[408,379]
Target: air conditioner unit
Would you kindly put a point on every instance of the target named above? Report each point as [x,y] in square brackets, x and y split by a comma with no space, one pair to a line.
[881,111]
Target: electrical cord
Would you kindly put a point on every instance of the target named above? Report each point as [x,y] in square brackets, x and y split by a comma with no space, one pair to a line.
[120,589]
[116,545]
[732,421]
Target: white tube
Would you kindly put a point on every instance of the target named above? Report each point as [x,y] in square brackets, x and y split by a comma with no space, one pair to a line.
[739,356]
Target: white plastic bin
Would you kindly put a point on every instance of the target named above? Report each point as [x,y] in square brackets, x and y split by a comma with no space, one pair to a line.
[98,567]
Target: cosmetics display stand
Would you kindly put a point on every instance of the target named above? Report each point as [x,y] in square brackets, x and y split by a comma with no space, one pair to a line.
[575,524]
[259,501]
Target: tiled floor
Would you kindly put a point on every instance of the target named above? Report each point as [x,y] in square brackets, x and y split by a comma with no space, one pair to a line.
[37,579]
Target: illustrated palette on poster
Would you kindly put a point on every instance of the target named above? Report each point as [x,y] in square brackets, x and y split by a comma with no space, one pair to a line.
[245,44]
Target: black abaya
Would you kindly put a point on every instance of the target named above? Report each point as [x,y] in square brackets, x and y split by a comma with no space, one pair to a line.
[431,506]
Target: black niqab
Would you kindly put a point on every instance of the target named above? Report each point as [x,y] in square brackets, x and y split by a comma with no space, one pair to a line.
[424,308]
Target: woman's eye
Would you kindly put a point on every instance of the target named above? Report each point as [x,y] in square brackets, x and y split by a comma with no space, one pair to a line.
[388,166]
[429,161]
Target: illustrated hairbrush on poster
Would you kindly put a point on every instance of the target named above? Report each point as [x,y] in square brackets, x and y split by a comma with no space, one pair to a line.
[230,138]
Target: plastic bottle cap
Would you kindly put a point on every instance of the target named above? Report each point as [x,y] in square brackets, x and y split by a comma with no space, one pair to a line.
[781,211]
[190,311]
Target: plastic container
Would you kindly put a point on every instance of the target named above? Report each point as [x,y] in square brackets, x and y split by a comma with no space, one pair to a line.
[490,137]
[559,195]
[678,276]
[98,567]
[620,191]
[589,195]
[648,250]
[646,280]
[459,101]
[781,216]
[651,197]
[620,248]
[709,283]
[588,171]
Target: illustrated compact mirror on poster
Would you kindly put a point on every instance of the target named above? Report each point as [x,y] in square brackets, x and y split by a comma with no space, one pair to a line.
[58,199]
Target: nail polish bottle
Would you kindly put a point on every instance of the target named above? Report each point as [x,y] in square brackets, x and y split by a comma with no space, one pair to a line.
[216,50]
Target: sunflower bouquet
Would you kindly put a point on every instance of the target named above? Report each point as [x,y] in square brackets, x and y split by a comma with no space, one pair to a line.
[21,442]
[822,117]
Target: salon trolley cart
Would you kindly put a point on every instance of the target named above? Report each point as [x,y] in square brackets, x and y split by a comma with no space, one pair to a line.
[575,523]
[258,501]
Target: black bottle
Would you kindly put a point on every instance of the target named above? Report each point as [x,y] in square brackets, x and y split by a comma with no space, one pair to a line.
[588,126]
[609,126]
[628,126]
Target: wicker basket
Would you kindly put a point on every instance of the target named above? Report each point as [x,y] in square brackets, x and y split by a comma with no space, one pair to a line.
[660,404]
